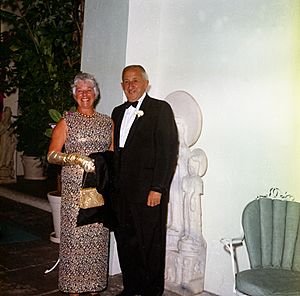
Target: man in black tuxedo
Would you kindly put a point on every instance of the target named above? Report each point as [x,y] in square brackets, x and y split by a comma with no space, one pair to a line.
[146,149]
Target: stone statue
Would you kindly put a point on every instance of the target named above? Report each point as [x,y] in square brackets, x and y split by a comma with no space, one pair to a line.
[192,185]
[8,142]
[175,214]
[186,246]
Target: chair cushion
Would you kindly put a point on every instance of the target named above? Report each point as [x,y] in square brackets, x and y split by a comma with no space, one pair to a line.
[268,281]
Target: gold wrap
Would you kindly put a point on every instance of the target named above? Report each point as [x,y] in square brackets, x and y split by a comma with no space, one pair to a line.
[73,158]
[90,198]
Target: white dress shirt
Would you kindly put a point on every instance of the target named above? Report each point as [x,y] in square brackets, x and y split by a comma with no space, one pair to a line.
[128,119]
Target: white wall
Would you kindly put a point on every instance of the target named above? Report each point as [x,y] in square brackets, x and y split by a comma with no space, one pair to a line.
[104,48]
[237,59]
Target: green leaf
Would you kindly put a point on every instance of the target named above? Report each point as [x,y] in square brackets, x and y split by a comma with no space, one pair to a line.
[55,115]
[48,132]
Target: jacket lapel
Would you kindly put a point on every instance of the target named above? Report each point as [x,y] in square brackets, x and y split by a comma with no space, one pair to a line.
[136,122]
[118,124]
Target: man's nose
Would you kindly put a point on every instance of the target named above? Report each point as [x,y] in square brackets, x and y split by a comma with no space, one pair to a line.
[131,84]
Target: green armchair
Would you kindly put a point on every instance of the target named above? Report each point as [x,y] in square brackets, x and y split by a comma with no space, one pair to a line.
[272,239]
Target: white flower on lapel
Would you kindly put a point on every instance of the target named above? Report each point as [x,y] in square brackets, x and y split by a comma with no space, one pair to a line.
[139,113]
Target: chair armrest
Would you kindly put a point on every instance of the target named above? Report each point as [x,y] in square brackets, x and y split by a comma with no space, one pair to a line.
[233,241]
[230,244]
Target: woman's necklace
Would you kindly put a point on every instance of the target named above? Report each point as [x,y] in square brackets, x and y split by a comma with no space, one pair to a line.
[85,115]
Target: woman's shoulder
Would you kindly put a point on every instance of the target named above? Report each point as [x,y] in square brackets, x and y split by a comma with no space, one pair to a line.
[103,117]
[68,114]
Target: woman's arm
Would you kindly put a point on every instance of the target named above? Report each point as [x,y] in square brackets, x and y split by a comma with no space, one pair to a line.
[55,156]
[58,138]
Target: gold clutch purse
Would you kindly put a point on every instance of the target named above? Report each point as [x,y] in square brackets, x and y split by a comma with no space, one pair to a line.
[90,198]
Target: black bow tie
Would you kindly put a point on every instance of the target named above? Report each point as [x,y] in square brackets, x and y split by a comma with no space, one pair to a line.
[133,104]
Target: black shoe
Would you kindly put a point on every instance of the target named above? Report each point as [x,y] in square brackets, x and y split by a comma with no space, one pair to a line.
[125,293]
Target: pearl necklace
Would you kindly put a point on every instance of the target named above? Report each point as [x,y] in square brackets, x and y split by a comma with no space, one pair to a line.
[87,116]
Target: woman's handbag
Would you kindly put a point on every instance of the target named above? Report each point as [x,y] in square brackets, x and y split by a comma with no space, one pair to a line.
[94,200]
[90,198]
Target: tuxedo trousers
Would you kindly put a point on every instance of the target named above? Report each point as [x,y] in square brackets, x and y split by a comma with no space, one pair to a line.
[141,244]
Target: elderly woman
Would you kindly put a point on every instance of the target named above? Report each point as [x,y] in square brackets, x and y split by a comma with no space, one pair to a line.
[83,250]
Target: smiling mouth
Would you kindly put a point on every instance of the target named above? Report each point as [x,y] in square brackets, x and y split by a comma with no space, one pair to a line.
[132,92]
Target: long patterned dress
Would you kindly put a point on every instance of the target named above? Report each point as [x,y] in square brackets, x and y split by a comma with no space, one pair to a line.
[83,250]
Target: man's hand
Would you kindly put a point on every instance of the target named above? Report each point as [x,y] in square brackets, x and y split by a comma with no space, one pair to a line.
[153,198]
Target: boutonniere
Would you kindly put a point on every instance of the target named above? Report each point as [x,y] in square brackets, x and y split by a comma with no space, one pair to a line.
[139,113]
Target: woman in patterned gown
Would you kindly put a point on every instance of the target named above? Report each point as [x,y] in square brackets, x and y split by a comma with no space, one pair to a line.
[83,250]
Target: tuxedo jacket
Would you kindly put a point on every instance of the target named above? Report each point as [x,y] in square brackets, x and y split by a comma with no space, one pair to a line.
[148,159]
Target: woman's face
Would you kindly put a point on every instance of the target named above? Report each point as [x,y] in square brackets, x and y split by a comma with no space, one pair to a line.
[85,95]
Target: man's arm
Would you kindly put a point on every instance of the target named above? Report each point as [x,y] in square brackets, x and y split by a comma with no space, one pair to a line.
[166,149]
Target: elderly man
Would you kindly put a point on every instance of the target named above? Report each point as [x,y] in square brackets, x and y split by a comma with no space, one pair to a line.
[146,148]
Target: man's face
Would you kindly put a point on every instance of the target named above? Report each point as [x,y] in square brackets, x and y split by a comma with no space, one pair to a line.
[134,84]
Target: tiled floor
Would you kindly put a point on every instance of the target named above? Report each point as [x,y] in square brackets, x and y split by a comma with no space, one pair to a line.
[23,264]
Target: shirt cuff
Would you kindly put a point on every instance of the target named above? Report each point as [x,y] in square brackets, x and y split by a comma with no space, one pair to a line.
[157,189]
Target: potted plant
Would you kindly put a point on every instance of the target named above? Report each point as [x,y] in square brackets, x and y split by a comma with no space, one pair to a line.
[42,55]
